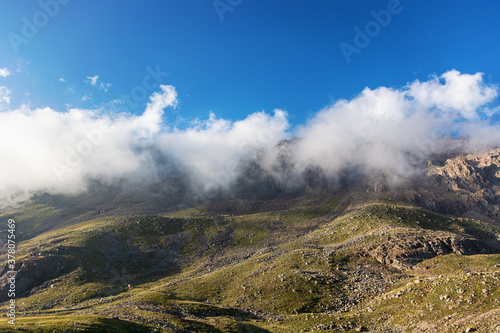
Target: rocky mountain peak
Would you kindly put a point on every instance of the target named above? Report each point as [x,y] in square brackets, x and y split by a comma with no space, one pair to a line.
[475,169]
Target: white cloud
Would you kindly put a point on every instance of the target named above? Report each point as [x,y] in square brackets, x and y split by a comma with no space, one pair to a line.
[57,151]
[489,112]
[93,79]
[61,79]
[105,86]
[4,96]
[463,93]
[212,150]
[379,127]
[4,72]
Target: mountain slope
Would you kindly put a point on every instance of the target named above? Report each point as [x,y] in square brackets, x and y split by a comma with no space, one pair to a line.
[264,270]
[363,258]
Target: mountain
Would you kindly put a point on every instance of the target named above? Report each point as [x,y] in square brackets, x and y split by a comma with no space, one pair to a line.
[363,252]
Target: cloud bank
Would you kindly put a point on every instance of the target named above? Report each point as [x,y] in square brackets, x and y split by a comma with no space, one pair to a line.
[390,129]
[380,128]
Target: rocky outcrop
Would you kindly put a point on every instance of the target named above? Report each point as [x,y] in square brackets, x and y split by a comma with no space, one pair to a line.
[404,250]
[470,181]
[470,172]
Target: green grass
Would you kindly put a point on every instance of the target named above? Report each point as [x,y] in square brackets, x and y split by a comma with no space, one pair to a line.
[66,294]
[297,282]
[453,264]
[69,323]
[301,214]
[437,297]
[296,285]
[29,217]
[415,217]
[190,212]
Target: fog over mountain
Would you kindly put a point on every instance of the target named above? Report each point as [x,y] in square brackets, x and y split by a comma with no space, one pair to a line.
[391,129]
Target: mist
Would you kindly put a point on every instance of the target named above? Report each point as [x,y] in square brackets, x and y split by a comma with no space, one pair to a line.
[383,129]
[395,129]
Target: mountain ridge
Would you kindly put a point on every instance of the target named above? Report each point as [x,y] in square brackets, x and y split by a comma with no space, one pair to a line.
[317,258]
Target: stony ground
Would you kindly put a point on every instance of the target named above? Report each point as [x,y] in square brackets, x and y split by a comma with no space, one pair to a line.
[363,259]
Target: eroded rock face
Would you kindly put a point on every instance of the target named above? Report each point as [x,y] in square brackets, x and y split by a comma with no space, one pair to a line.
[404,250]
[471,170]
[473,180]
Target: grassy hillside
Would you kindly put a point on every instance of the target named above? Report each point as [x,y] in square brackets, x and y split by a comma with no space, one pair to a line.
[322,264]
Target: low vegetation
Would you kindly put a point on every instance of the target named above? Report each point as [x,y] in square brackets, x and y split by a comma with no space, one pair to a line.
[319,266]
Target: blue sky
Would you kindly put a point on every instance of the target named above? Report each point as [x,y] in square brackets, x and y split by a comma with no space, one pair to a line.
[264,54]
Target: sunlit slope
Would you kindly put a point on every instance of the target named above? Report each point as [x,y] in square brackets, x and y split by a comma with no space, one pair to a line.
[328,264]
